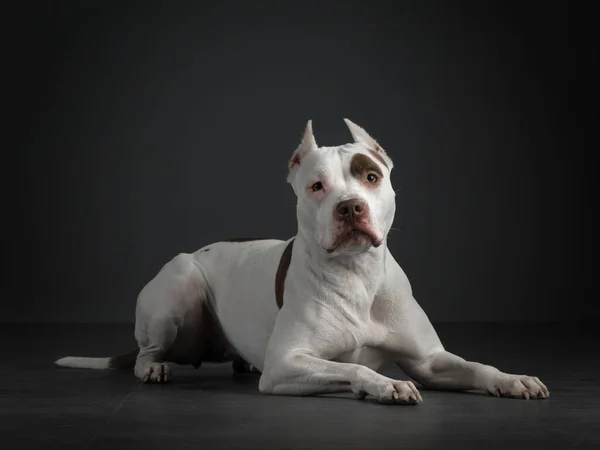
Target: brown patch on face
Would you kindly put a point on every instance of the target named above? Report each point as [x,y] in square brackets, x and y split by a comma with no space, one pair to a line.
[282,269]
[361,167]
[378,156]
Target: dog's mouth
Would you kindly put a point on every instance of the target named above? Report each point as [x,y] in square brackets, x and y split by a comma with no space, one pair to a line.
[356,234]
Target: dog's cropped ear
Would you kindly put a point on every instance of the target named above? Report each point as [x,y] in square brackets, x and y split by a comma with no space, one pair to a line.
[361,136]
[307,145]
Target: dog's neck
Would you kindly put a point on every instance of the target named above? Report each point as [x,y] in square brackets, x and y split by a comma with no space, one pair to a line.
[356,276]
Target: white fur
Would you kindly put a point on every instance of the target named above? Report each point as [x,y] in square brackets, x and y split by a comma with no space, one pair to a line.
[345,312]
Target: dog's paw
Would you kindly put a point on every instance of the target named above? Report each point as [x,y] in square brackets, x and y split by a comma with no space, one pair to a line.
[519,386]
[156,373]
[400,392]
[392,392]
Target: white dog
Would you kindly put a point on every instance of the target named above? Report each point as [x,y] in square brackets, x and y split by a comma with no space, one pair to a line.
[318,313]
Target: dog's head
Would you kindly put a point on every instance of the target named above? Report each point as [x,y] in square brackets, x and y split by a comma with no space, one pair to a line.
[346,203]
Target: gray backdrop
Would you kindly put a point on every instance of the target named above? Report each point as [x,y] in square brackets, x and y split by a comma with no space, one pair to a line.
[148,129]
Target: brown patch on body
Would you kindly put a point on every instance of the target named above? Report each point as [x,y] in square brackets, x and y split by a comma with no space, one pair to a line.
[362,166]
[236,240]
[206,342]
[245,239]
[282,269]
[239,365]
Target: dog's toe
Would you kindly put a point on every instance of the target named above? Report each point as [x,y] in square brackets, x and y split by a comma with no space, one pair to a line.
[157,373]
[524,387]
[400,392]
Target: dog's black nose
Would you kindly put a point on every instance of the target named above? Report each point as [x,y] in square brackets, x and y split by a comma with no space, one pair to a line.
[350,210]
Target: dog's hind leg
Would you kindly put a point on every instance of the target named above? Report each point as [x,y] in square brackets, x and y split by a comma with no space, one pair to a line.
[150,365]
[170,305]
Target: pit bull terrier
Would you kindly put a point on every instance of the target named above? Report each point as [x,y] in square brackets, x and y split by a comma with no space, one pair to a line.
[318,313]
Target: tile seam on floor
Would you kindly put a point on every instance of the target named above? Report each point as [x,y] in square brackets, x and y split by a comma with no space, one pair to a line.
[103,427]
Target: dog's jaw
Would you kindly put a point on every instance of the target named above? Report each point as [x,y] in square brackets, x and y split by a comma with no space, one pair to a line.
[360,233]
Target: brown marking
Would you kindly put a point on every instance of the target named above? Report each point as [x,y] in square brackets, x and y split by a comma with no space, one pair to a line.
[361,166]
[378,155]
[295,161]
[282,269]
[245,239]
[284,263]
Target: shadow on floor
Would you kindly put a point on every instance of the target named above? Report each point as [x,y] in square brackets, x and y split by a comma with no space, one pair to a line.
[43,406]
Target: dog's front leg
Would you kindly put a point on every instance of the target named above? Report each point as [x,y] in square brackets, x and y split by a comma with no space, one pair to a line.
[416,347]
[421,355]
[444,370]
[299,373]
[298,361]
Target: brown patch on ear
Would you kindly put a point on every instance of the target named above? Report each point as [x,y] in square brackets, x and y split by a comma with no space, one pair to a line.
[282,269]
[379,157]
[361,166]
[295,161]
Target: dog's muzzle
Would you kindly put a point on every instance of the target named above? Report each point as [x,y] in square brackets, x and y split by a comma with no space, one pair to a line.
[354,215]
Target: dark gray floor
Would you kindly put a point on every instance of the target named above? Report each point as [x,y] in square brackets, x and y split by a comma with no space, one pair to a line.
[43,406]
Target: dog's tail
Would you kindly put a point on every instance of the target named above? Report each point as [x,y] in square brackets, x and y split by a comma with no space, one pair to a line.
[124,361]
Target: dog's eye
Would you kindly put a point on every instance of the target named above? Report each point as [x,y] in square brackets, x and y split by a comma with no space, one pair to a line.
[371,178]
[317,186]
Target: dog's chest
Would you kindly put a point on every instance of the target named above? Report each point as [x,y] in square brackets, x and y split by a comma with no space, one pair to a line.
[348,337]
[365,353]
[359,342]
